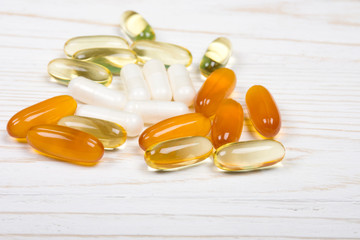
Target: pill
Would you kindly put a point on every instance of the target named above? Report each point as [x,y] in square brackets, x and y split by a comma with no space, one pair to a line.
[178,153]
[181,85]
[76,44]
[263,112]
[167,53]
[154,111]
[136,85]
[131,122]
[191,124]
[93,93]
[63,70]
[67,144]
[157,79]
[248,156]
[110,134]
[45,112]
[216,56]
[217,87]
[136,27]
[228,123]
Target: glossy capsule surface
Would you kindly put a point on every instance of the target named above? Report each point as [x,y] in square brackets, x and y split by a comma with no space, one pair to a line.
[136,85]
[46,112]
[136,27]
[191,124]
[217,87]
[178,153]
[63,70]
[66,144]
[248,156]
[263,112]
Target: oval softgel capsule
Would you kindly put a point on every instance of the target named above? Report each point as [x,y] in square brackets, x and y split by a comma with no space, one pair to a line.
[136,27]
[136,85]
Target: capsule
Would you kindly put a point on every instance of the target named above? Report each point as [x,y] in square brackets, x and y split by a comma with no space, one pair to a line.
[110,134]
[76,44]
[216,56]
[111,58]
[67,144]
[191,124]
[132,122]
[136,27]
[228,123]
[181,85]
[93,93]
[45,112]
[136,85]
[263,111]
[63,70]
[217,87]
[248,156]
[178,153]
[167,53]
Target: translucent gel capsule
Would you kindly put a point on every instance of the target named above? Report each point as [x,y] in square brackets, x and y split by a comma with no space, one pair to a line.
[216,56]
[263,111]
[136,85]
[250,155]
[228,123]
[76,44]
[191,124]
[111,58]
[178,153]
[217,87]
[136,27]
[63,70]
[167,53]
[45,112]
[67,144]
[110,134]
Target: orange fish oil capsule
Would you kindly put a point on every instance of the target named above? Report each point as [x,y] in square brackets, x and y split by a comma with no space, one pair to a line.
[263,111]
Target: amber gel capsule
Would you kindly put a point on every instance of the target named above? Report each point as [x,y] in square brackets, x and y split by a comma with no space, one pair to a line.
[263,111]
[136,27]
[45,112]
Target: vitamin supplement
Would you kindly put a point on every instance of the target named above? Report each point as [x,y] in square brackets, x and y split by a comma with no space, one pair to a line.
[181,85]
[67,144]
[76,44]
[263,111]
[136,27]
[248,156]
[63,70]
[137,88]
[111,58]
[110,134]
[45,112]
[132,122]
[93,93]
[178,153]
[154,111]
[217,87]
[216,56]
[167,53]
[157,79]
[228,123]
[191,124]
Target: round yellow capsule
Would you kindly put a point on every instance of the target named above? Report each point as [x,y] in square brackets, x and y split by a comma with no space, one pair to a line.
[136,27]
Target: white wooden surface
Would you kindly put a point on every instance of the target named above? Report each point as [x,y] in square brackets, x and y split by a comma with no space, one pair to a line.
[305,52]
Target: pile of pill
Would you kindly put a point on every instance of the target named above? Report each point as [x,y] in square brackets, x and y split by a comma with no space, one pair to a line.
[158,93]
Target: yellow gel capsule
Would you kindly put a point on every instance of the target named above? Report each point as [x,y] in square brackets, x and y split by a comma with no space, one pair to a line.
[216,56]
[167,53]
[136,27]
[110,134]
[249,156]
[76,44]
[63,70]
[178,153]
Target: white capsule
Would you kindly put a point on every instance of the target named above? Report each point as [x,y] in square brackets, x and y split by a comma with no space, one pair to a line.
[131,122]
[137,88]
[181,85]
[155,111]
[157,79]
